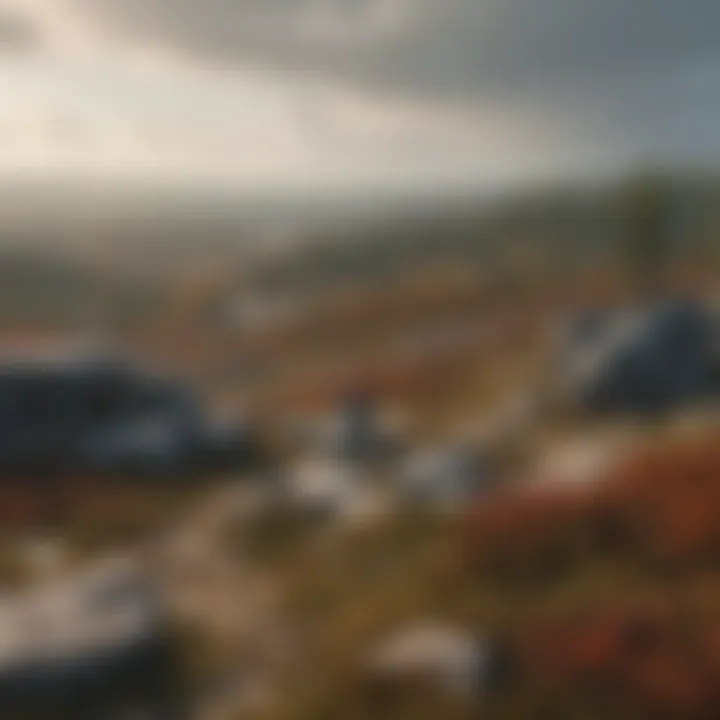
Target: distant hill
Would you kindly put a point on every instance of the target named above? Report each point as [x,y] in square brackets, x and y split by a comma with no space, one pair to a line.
[557,228]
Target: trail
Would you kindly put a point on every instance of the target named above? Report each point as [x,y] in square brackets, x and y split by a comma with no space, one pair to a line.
[207,584]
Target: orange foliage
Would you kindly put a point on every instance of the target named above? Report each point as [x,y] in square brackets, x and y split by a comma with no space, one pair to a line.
[646,660]
[526,530]
[668,500]
[662,505]
[71,502]
[657,658]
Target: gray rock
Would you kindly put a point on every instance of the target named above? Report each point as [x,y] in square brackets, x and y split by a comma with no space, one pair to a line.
[444,476]
[453,659]
[96,640]
[640,360]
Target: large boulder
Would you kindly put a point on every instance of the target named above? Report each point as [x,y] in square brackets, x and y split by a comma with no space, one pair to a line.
[102,414]
[640,360]
[96,641]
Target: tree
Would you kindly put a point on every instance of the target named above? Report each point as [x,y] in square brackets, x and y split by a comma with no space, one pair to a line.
[645,211]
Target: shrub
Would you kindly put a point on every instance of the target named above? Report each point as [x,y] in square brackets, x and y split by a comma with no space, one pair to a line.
[661,506]
[648,659]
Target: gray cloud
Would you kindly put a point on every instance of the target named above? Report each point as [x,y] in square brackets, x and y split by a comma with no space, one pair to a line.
[616,77]
[637,76]
[440,46]
[16,33]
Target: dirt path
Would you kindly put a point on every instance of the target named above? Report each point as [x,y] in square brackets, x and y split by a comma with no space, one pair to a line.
[232,603]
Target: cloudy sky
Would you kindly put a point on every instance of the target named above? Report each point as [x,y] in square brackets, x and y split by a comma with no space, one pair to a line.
[328,93]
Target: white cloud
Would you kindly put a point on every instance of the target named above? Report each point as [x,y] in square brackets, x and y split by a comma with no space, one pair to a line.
[94,99]
[242,127]
[57,26]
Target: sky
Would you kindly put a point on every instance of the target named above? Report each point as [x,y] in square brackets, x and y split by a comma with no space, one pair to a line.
[357,94]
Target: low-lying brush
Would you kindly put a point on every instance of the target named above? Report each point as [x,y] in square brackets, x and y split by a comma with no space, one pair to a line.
[623,652]
[661,507]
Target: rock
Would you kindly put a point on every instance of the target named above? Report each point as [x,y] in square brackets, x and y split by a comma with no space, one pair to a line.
[453,659]
[445,476]
[640,360]
[100,637]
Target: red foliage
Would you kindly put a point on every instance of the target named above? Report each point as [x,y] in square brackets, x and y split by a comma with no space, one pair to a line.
[655,658]
[70,501]
[669,501]
[646,660]
[520,530]
[662,505]
[21,506]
